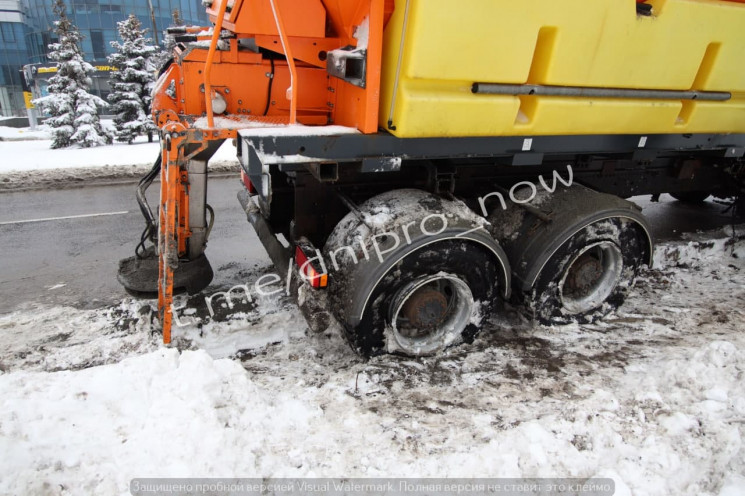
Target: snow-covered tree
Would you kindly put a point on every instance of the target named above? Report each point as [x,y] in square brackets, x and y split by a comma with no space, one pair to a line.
[72,108]
[133,81]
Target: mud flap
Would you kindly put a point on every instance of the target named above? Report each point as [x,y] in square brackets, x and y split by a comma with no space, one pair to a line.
[313,304]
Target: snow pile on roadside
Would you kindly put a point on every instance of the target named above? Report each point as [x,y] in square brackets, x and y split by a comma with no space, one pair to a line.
[36,155]
[699,251]
[240,329]
[41,132]
[29,162]
[652,396]
[78,176]
[74,176]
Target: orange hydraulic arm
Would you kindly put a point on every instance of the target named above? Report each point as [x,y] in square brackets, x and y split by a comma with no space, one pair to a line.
[265,63]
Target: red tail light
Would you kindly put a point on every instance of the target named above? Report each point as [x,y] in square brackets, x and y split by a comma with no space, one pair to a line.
[310,268]
[247,183]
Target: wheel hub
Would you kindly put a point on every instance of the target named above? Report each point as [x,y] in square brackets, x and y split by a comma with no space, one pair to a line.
[583,274]
[425,309]
[430,313]
[591,277]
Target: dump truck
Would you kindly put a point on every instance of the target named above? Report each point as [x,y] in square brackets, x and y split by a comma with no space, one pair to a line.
[413,164]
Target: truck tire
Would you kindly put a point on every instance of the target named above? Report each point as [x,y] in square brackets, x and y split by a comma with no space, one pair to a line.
[432,298]
[590,275]
[430,292]
[575,260]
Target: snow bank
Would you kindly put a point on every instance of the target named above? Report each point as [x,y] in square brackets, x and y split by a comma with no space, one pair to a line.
[140,416]
[28,161]
[701,251]
[171,414]
[61,338]
[36,155]
[22,134]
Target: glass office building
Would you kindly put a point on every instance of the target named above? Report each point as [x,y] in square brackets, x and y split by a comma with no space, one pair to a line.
[14,53]
[27,28]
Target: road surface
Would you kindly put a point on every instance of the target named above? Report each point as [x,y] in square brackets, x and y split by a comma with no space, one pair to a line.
[62,246]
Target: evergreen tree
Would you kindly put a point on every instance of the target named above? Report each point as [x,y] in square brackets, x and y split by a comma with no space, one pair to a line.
[133,81]
[71,107]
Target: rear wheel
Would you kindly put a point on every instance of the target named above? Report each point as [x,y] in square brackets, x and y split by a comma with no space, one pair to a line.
[413,273]
[591,277]
[590,274]
[430,299]
[576,259]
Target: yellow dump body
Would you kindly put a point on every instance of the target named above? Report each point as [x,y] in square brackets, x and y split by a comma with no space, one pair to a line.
[435,50]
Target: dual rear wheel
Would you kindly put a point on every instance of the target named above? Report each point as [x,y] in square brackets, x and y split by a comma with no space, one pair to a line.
[438,291]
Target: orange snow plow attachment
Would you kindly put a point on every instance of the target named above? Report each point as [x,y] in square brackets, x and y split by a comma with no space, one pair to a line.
[266,63]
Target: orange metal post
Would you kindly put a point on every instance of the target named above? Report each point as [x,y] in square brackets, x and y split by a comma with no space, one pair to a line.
[164,145]
[210,58]
[290,61]
[168,239]
[174,208]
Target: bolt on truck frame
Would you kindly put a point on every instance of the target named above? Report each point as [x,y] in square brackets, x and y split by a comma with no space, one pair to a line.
[390,152]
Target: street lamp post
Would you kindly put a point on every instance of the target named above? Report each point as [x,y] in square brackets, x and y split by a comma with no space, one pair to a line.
[152,20]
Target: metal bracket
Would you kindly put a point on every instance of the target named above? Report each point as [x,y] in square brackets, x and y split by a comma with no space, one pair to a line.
[735,152]
[445,180]
[348,64]
[324,172]
[259,174]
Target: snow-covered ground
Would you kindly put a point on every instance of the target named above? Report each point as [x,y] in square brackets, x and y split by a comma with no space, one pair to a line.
[25,155]
[41,132]
[653,396]
[24,149]
[28,160]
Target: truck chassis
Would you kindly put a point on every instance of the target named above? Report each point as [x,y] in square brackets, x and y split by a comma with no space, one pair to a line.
[410,242]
